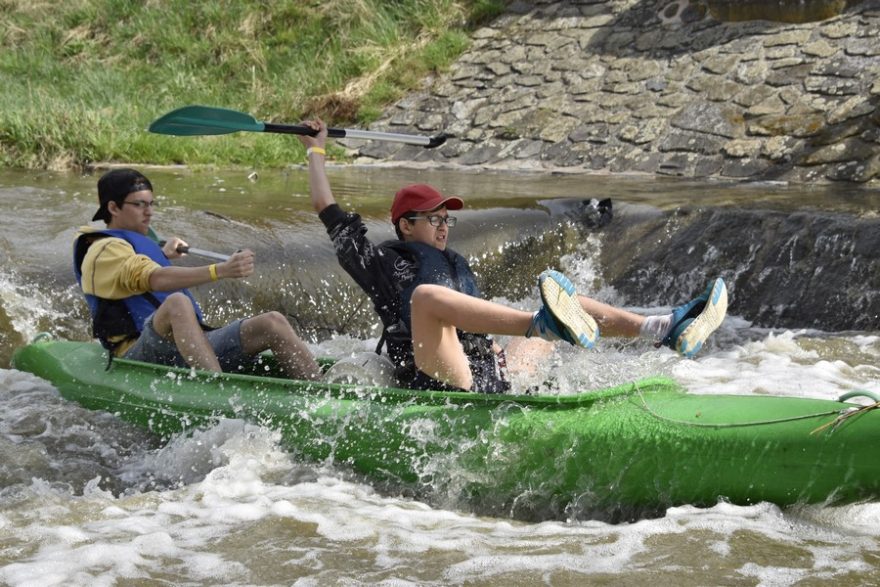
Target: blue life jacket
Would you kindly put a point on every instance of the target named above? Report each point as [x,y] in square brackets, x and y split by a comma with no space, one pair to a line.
[123,318]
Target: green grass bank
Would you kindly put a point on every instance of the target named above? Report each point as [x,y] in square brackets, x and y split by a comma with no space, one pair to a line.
[81,80]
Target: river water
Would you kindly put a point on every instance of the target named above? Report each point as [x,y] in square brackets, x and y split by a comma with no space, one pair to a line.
[86,499]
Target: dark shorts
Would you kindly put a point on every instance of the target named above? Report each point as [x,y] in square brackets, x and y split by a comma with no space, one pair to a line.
[482,384]
[226,342]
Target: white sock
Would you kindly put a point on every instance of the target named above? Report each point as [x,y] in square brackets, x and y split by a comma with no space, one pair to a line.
[656,327]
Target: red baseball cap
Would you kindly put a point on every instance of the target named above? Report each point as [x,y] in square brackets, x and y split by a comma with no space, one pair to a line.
[420,197]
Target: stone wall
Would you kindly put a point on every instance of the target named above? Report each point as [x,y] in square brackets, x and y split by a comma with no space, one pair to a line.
[657,87]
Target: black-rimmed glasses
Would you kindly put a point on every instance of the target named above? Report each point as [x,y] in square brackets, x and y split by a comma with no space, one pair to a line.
[436,220]
[142,203]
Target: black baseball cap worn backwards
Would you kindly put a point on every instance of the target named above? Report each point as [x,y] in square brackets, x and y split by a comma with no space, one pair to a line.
[115,185]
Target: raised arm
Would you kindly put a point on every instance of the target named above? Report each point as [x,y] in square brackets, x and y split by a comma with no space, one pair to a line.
[319,185]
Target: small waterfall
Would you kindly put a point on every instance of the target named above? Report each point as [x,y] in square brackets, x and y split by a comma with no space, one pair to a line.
[805,269]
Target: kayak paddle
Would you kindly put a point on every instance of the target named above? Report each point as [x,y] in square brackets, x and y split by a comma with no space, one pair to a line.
[208,120]
[189,250]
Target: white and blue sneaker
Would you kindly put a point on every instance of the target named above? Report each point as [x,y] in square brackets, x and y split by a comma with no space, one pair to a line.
[693,322]
[562,317]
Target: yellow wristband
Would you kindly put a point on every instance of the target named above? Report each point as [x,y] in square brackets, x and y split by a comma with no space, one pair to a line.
[212,269]
[318,150]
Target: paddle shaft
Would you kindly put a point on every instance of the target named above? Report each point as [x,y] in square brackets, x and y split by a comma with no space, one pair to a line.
[343,133]
[199,252]
[202,253]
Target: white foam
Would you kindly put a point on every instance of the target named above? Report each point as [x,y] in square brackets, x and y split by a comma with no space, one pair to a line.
[27,306]
[778,364]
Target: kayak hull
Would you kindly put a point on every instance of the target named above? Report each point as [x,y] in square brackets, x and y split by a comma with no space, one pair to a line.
[645,445]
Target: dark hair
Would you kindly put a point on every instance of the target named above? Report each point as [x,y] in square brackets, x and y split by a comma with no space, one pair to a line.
[115,185]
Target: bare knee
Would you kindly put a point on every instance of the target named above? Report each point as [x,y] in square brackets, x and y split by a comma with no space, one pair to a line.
[268,327]
[274,322]
[177,305]
[427,298]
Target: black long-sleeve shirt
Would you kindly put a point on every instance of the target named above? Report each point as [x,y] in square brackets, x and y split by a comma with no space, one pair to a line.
[382,271]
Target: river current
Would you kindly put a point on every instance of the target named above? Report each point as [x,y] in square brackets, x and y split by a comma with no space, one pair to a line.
[86,499]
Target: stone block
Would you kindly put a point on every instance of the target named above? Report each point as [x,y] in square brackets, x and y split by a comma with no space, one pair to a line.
[847,150]
[740,148]
[677,164]
[796,125]
[771,105]
[845,67]
[820,48]
[498,69]
[751,73]
[528,149]
[529,81]
[781,53]
[693,142]
[787,62]
[708,166]
[854,171]
[720,64]
[855,107]
[778,148]
[838,30]
[831,86]
[556,130]
[751,95]
[593,133]
[742,168]
[723,92]
[479,155]
[786,76]
[866,46]
[647,131]
[790,37]
[722,120]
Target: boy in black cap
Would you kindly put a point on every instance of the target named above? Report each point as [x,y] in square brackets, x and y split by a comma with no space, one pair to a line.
[140,306]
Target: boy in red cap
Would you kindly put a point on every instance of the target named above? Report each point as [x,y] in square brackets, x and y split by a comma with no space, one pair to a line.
[435,322]
[140,306]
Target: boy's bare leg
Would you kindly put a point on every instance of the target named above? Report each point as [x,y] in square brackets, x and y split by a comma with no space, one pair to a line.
[436,313]
[272,331]
[175,319]
[613,322]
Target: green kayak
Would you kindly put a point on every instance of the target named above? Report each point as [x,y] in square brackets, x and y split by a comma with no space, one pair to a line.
[642,445]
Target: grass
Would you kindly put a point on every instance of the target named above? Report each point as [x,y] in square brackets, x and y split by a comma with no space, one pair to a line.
[80,80]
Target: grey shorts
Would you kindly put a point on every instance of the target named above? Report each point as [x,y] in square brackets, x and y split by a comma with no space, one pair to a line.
[226,342]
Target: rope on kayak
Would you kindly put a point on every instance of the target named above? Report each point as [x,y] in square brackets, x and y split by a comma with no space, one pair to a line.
[846,415]
[746,424]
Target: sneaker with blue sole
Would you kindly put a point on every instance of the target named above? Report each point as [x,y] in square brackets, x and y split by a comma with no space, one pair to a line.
[562,317]
[695,321]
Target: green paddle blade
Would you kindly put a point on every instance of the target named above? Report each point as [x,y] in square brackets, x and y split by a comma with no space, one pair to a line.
[204,120]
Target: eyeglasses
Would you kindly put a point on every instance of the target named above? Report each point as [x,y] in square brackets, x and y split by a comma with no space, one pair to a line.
[142,203]
[435,219]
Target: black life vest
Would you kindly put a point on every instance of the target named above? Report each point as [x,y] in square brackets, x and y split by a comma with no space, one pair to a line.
[433,266]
